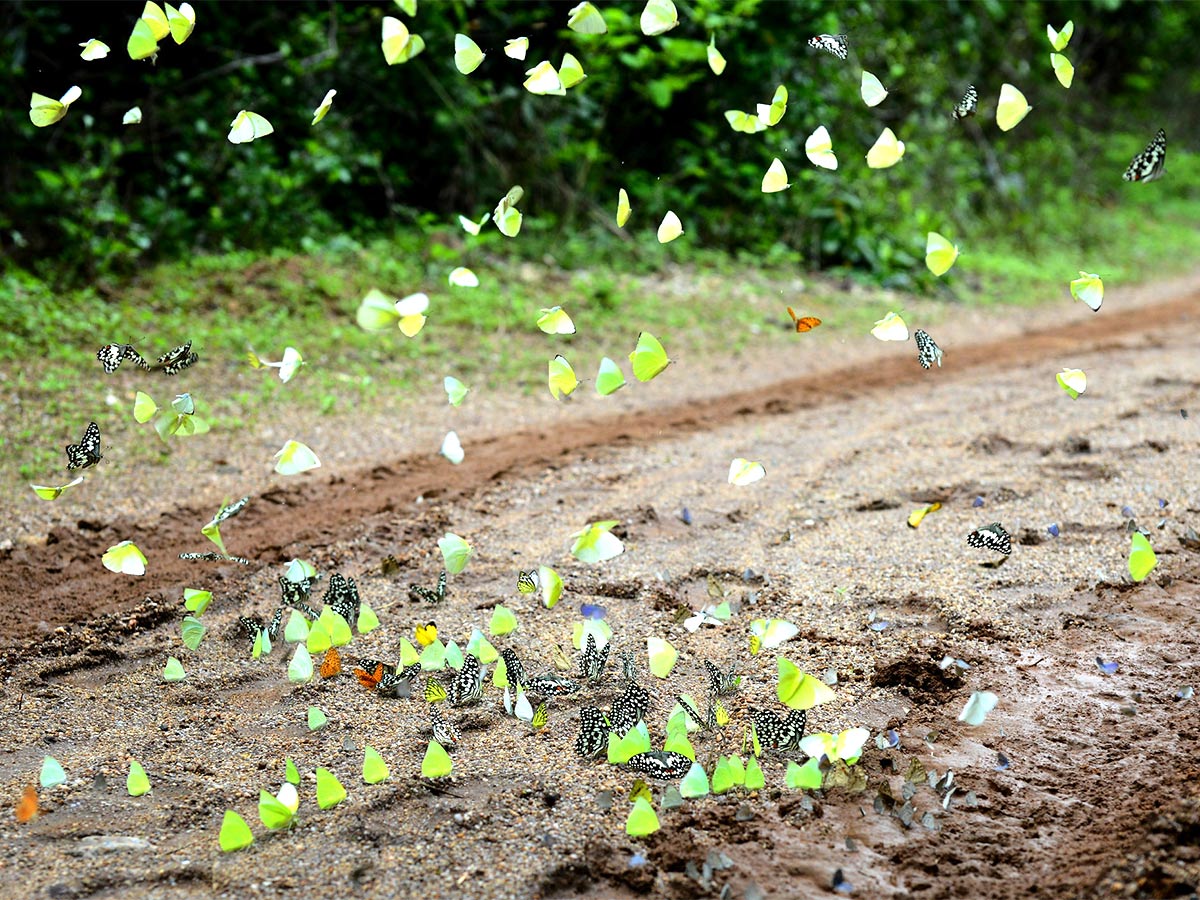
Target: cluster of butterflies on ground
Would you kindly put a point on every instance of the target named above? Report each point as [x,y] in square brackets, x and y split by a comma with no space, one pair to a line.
[87,452]
[465,687]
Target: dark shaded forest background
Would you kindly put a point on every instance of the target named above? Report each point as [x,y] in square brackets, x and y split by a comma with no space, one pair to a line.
[414,145]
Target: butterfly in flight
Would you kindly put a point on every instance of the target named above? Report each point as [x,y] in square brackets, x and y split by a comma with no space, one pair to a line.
[966,106]
[527,582]
[210,556]
[437,595]
[175,361]
[803,323]
[835,44]
[112,355]
[928,352]
[1150,164]
[991,537]
[87,451]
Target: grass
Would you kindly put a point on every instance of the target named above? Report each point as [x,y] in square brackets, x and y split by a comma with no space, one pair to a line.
[698,302]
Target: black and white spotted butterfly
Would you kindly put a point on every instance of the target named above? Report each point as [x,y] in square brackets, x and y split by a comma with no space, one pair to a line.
[253,625]
[550,685]
[661,765]
[228,512]
[294,593]
[968,103]
[991,537]
[175,361]
[528,582]
[593,661]
[112,355]
[720,683]
[514,671]
[629,709]
[467,686]
[835,44]
[593,731]
[87,451]
[437,595]
[1150,164]
[210,556]
[928,352]
[342,597]
[444,731]
[776,733]
[707,722]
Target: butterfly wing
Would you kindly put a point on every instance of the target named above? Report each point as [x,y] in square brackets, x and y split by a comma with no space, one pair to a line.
[111,355]
[175,361]
[1150,164]
[833,44]
[87,451]
[967,105]
[928,352]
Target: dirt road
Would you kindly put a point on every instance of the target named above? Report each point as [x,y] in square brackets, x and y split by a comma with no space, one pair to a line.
[1097,797]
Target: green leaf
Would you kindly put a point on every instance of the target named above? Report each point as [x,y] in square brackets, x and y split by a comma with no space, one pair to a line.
[235,833]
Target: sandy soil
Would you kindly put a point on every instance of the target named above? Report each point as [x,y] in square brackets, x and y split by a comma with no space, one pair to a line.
[1098,798]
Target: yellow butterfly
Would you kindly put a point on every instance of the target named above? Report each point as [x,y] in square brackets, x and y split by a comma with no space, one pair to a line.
[540,717]
[434,691]
[527,582]
[426,634]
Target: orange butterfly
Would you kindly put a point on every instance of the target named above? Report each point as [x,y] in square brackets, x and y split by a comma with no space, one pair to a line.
[369,680]
[803,323]
[332,663]
[27,806]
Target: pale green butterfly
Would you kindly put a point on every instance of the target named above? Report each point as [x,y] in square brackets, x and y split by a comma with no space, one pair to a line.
[1063,70]
[597,543]
[872,90]
[182,21]
[886,151]
[799,690]
[153,15]
[278,812]
[248,126]
[1012,108]
[1060,39]
[395,40]
[52,773]
[695,782]
[744,122]
[552,586]
[463,277]
[662,656]
[300,669]
[503,621]
[196,601]
[470,226]
[770,113]
[775,179]
[316,718]
[173,671]
[294,458]
[452,448]
[437,762]
[192,632]
[125,559]
[455,552]
[506,215]
[375,769]
[716,61]
[467,55]
[658,16]
[137,782]
[819,149]
[1141,557]
[755,780]
[609,378]
[330,791]
[142,43]
[846,745]
[235,833]
[642,819]
[890,328]
[94,49]
[555,321]
[670,228]
[456,391]
[561,378]
[323,108]
[623,208]
[144,407]
[570,73]
[48,492]
[635,741]
[801,777]
[1089,288]
[45,110]
[133,116]
[744,471]
[543,79]
[648,357]
[586,19]
[940,254]
[516,48]
[1073,381]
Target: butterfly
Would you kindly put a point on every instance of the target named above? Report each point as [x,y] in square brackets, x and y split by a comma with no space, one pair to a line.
[928,352]
[541,717]
[721,682]
[835,44]
[230,511]
[435,691]
[27,806]
[252,625]
[211,557]
[87,451]
[780,734]
[332,663]
[1150,163]
[966,106]
[467,686]
[591,665]
[662,765]
[426,634]
[389,565]
[593,731]
[444,731]
[803,323]
[342,597]
[706,723]
[550,685]
[991,537]
[370,672]
[629,669]
[527,582]
[398,684]
[513,668]
[175,361]
[416,592]
[111,355]
[629,708]
[294,593]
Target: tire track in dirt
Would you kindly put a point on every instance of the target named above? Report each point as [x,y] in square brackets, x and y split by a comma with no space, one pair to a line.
[60,576]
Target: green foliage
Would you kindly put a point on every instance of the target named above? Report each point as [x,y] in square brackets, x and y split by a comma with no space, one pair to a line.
[419,143]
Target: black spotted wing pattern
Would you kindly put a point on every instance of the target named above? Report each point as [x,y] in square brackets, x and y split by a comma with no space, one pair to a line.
[593,731]
[834,44]
[991,537]
[660,765]
[967,105]
[87,452]
[928,352]
[1150,164]
[437,595]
